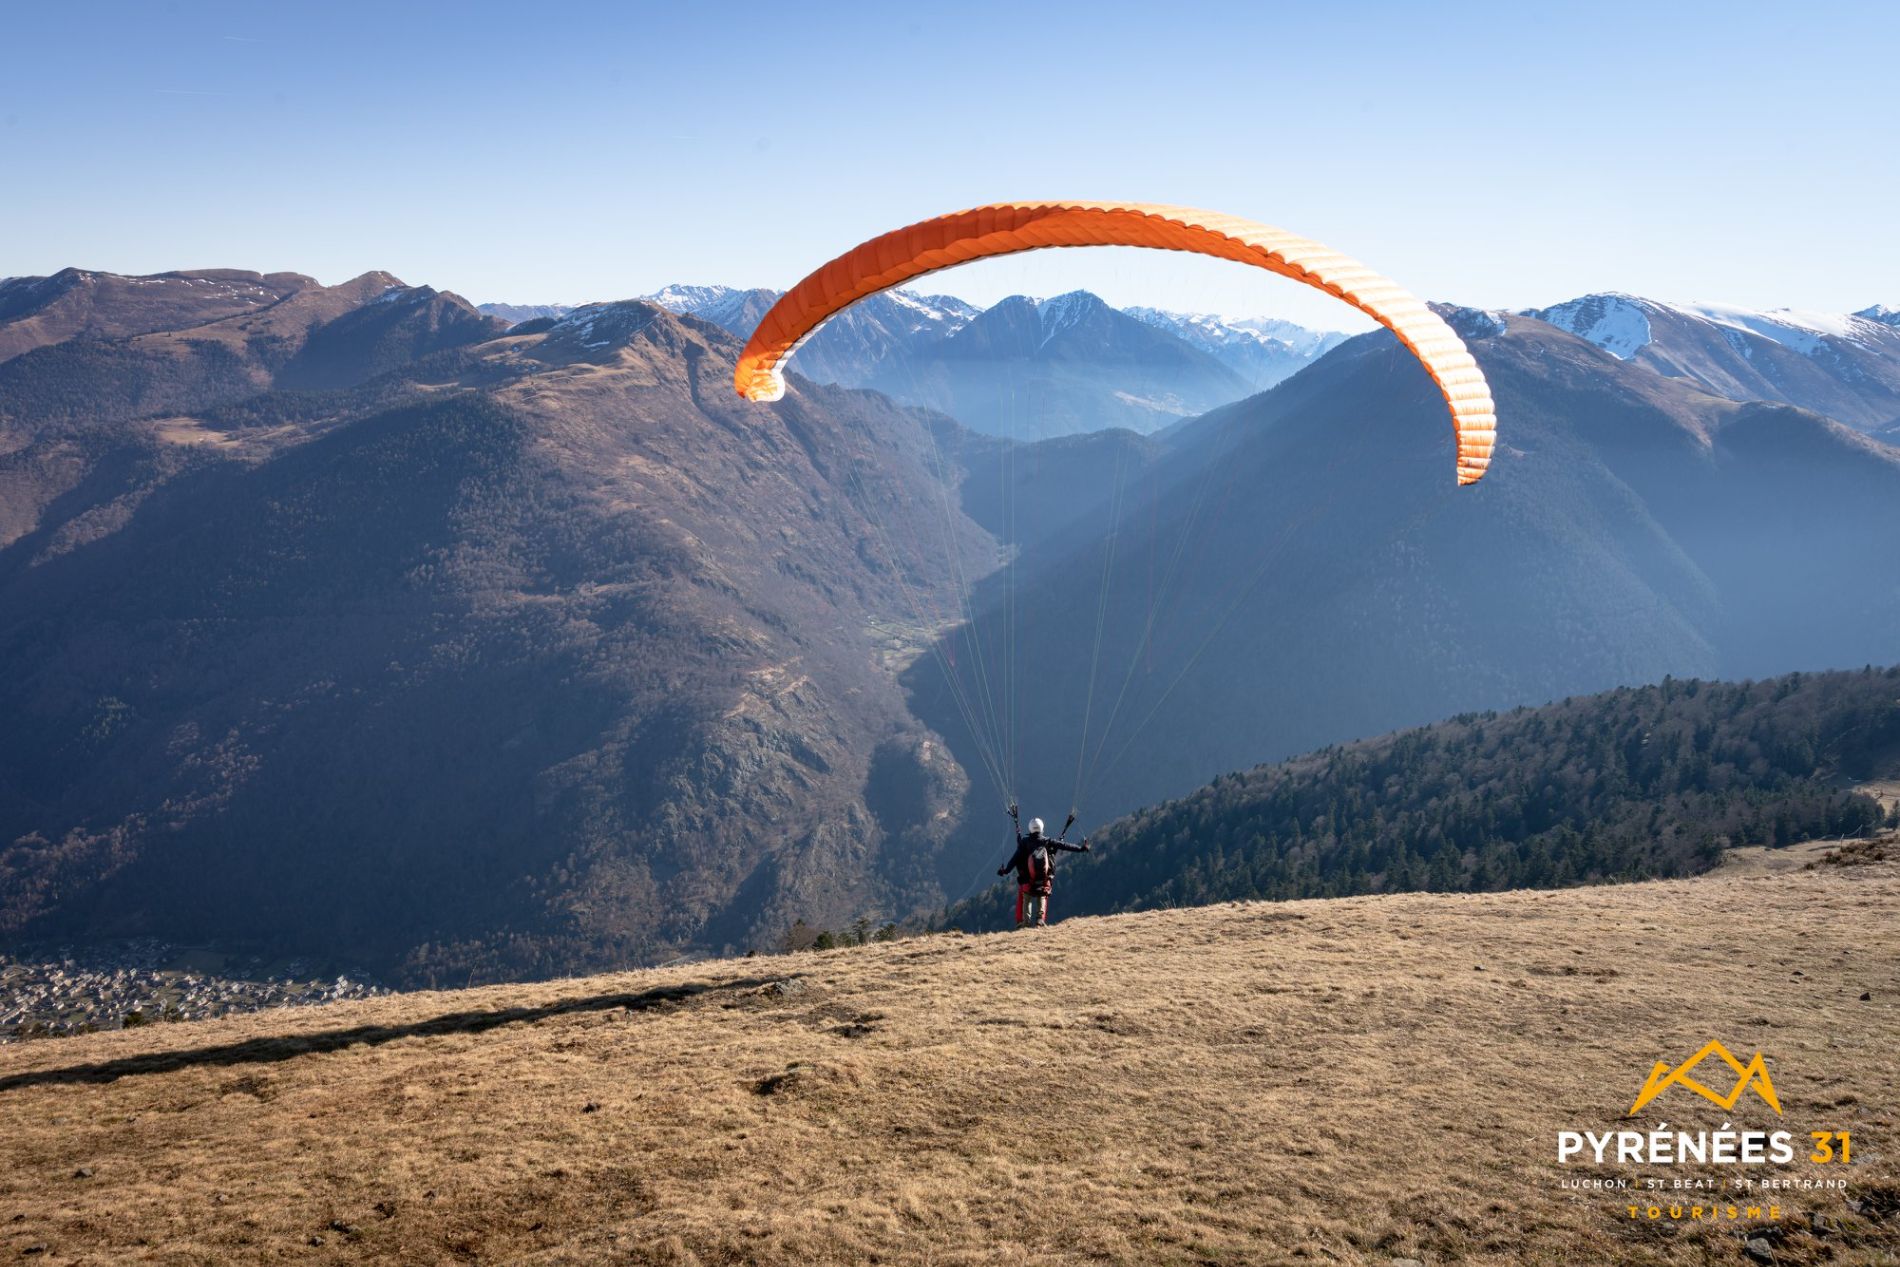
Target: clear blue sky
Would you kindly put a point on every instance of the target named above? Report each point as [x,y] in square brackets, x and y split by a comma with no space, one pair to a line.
[1494,154]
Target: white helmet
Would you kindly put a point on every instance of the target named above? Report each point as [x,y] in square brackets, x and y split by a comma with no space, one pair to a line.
[1035,827]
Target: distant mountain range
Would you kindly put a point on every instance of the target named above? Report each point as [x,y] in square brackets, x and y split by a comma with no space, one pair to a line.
[1298,568]
[515,314]
[1846,366]
[1030,379]
[352,619]
[1024,368]
[1032,369]
[1262,350]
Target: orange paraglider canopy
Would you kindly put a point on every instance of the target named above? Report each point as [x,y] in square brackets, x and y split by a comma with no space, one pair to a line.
[1008,227]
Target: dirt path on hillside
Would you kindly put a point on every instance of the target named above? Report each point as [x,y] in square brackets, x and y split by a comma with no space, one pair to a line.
[1363,1080]
[1886,791]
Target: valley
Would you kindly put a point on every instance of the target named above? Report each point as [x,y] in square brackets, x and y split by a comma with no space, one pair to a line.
[353,620]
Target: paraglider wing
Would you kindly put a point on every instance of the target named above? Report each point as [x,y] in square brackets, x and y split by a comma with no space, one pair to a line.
[1006,228]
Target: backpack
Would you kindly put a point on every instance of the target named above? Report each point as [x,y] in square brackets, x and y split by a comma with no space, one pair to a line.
[1041,869]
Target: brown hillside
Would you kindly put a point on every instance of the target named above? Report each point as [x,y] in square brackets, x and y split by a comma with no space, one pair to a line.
[80,303]
[605,650]
[1363,1080]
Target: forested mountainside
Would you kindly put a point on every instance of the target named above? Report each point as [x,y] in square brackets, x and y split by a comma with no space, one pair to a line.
[1844,365]
[98,408]
[339,621]
[1024,368]
[1625,785]
[1300,568]
[540,651]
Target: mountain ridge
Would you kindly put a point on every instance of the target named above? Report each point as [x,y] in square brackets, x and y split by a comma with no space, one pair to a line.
[905,343]
[1845,366]
[649,670]
[1273,550]
[589,509]
[77,302]
[1263,351]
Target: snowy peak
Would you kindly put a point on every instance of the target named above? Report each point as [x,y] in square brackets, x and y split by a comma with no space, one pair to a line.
[1846,366]
[728,307]
[1202,328]
[1067,312]
[1474,323]
[1619,324]
[1622,324]
[1210,331]
[1078,324]
[736,311]
[1798,329]
[515,314]
[401,294]
[1033,368]
[1881,313]
[1262,350]
[597,326]
[1308,343]
[903,313]
[690,299]
[943,313]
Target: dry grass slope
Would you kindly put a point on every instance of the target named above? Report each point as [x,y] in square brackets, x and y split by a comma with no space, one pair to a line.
[1350,1081]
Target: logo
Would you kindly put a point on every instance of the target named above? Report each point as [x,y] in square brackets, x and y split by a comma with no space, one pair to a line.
[1734,1150]
[1753,1074]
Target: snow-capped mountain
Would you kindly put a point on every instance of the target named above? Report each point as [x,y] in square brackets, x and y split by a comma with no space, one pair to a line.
[905,312]
[1311,343]
[515,314]
[911,316]
[1880,312]
[727,307]
[1025,367]
[1033,368]
[1262,350]
[1619,324]
[852,346]
[691,299]
[1846,366]
[1030,367]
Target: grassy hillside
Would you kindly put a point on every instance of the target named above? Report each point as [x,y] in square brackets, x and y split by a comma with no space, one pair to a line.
[1359,1080]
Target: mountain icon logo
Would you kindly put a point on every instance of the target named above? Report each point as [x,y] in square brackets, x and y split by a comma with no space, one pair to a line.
[1753,1074]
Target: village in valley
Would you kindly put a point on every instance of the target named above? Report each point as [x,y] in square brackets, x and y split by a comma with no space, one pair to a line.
[60,990]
